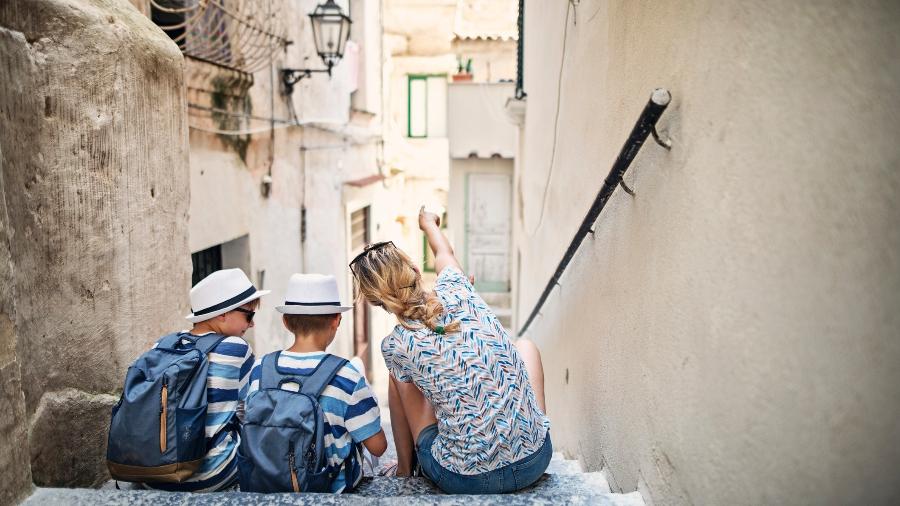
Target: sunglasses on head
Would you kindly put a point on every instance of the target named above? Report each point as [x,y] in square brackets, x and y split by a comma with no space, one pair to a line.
[367,249]
[247,313]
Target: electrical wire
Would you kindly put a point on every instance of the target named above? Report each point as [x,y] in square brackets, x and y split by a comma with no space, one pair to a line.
[562,64]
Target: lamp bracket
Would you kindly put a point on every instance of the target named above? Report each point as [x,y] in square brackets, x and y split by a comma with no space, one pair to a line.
[290,77]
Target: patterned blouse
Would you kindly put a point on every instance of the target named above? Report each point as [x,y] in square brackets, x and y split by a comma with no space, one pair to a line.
[476,381]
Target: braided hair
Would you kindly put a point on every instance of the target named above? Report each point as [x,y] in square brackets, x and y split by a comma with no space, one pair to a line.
[387,277]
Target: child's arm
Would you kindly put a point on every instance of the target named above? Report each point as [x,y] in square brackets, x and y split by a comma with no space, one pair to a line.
[443,252]
[376,444]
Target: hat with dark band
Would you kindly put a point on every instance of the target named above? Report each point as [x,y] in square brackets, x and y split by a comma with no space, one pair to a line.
[312,294]
[221,292]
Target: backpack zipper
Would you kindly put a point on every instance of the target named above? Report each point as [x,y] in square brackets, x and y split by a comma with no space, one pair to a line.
[294,482]
[164,400]
[311,456]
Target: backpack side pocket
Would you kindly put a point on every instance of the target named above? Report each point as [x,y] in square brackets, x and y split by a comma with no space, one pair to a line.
[191,426]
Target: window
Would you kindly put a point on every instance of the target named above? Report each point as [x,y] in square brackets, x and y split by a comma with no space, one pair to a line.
[227,255]
[427,106]
[206,262]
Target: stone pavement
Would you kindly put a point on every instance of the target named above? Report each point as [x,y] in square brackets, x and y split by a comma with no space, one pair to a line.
[563,483]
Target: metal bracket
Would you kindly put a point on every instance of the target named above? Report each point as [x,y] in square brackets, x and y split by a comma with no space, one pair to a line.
[290,77]
[626,188]
[666,143]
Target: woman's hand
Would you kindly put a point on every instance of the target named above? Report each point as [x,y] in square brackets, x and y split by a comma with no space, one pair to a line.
[426,219]
[430,223]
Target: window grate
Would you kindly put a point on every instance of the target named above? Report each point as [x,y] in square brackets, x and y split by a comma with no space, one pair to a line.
[238,34]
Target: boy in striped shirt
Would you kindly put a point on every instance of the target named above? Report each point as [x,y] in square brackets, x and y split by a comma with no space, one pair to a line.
[223,303]
[352,419]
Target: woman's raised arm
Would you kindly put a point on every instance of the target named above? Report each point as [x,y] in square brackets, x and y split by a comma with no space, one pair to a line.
[430,223]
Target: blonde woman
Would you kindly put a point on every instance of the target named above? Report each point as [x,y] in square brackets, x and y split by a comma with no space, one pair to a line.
[464,399]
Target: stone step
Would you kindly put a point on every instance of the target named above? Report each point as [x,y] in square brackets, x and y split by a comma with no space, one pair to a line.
[550,484]
[564,483]
[497,300]
[560,465]
[90,497]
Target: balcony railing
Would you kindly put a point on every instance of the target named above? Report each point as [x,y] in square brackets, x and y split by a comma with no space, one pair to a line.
[238,34]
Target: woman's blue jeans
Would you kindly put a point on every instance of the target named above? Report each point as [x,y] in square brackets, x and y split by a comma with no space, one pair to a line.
[509,478]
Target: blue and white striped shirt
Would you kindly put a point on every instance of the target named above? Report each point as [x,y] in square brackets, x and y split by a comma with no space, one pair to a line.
[226,386]
[351,411]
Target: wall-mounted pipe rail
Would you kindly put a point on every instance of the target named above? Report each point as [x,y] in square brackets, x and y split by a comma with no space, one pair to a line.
[645,126]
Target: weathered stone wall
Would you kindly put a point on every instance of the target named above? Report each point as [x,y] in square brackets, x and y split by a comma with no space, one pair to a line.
[95,180]
[14,460]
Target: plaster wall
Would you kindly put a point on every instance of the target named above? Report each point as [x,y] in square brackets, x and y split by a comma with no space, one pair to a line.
[426,25]
[736,321]
[367,33]
[93,139]
[478,125]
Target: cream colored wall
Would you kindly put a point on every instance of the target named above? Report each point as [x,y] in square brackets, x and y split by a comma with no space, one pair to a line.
[478,124]
[736,322]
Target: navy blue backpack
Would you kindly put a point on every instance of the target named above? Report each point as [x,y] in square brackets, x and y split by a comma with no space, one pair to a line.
[283,433]
[157,432]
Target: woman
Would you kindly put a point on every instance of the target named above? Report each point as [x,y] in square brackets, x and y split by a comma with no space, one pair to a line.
[470,398]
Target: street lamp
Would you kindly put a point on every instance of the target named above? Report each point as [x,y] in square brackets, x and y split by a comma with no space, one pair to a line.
[331,29]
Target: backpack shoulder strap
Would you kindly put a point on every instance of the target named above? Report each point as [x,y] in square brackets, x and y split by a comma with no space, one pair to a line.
[322,376]
[270,377]
[208,342]
[169,341]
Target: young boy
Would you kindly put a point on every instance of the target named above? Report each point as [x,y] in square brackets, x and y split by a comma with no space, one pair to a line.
[312,312]
[224,303]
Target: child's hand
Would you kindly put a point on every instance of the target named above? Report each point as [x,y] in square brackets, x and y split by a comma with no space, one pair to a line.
[426,218]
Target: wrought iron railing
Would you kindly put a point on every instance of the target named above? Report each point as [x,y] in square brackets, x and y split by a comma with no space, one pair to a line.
[645,126]
[238,34]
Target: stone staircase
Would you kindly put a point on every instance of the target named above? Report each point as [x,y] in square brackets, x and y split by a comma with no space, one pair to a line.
[501,304]
[564,483]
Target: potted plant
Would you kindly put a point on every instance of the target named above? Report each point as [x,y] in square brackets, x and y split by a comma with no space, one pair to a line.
[463,72]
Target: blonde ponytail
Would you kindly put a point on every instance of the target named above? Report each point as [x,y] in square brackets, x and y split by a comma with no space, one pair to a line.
[386,277]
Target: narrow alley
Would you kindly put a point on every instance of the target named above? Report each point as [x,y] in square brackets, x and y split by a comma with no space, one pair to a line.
[690,208]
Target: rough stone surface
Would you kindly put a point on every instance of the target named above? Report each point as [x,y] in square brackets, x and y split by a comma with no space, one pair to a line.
[153,498]
[564,484]
[72,448]
[93,137]
[14,462]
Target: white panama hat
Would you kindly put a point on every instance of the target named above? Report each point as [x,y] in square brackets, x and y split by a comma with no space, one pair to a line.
[311,294]
[219,293]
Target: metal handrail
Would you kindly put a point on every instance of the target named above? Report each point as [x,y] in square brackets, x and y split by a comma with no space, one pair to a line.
[645,126]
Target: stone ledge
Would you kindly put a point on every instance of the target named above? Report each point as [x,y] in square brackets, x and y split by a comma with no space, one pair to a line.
[85,497]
